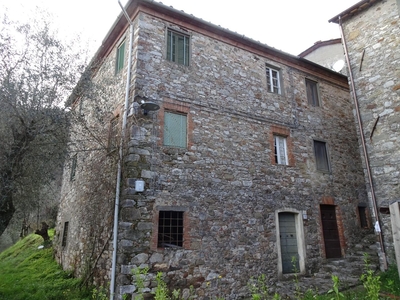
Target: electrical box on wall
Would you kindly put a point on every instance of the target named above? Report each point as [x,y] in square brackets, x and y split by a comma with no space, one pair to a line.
[139,185]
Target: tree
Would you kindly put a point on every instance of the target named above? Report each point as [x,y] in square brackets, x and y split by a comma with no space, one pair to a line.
[37,73]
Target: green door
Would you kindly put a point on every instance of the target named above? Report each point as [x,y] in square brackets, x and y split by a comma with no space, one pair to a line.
[288,239]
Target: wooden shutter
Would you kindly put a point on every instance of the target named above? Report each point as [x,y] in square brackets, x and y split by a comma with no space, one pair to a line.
[175,130]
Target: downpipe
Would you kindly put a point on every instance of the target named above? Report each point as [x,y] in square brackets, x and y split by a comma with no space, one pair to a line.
[364,147]
[120,159]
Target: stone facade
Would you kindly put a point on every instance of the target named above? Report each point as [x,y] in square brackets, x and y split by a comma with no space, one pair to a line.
[225,183]
[372,36]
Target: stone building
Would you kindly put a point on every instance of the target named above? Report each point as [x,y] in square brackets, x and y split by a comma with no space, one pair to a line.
[328,54]
[371,37]
[239,159]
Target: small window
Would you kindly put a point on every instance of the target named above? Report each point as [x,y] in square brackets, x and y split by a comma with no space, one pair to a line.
[120,57]
[175,130]
[178,48]
[312,92]
[65,235]
[321,156]
[170,229]
[280,150]
[113,135]
[73,167]
[273,81]
[362,213]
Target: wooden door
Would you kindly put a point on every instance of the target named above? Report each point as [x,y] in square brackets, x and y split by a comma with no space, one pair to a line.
[330,231]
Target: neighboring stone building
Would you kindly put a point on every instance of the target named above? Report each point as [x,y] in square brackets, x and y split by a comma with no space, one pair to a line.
[328,54]
[371,35]
[249,158]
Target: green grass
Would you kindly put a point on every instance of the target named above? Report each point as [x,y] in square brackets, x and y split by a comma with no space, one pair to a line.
[29,273]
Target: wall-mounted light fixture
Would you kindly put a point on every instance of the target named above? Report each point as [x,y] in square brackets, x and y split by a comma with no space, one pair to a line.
[147,105]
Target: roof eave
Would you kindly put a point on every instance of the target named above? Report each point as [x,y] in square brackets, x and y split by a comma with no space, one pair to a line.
[353,10]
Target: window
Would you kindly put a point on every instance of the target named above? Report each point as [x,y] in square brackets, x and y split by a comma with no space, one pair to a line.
[170,229]
[321,156]
[312,92]
[281,146]
[120,57]
[73,167]
[273,81]
[175,129]
[113,135]
[362,213]
[280,150]
[178,48]
[65,235]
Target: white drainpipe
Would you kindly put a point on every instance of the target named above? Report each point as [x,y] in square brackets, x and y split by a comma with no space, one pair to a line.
[120,159]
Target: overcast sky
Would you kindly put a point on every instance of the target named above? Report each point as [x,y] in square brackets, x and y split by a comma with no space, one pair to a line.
[288,25]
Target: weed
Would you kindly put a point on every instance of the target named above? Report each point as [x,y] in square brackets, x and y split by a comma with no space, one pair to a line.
[298,293]
[139,275]
[176,293]
[337,295]
[258,287]
[371,282]
[161,291]
[391,281]
[99,293]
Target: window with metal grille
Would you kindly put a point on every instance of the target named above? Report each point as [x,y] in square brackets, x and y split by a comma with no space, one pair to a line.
[175,130]
[120,57]
[178,47]
[280,150]
[65,235]
[321,156]
[170,229]
[273,81]
[312,92]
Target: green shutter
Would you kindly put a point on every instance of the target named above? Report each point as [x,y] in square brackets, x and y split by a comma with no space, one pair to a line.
[120,57]
[175,130]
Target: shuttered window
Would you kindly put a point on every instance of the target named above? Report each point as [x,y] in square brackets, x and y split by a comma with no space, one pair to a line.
[321,156]
[120,57]
[312,92]
[175,130]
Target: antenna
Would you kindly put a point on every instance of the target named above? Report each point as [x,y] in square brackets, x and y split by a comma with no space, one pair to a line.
[338,66]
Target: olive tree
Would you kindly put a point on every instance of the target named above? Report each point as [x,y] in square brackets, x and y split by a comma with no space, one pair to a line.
[37,72]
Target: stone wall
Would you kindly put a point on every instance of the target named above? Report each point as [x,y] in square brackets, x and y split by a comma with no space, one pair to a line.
[373,40]
[87,199]
[226,181]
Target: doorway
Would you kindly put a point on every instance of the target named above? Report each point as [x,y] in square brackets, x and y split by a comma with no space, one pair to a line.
[330,231]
